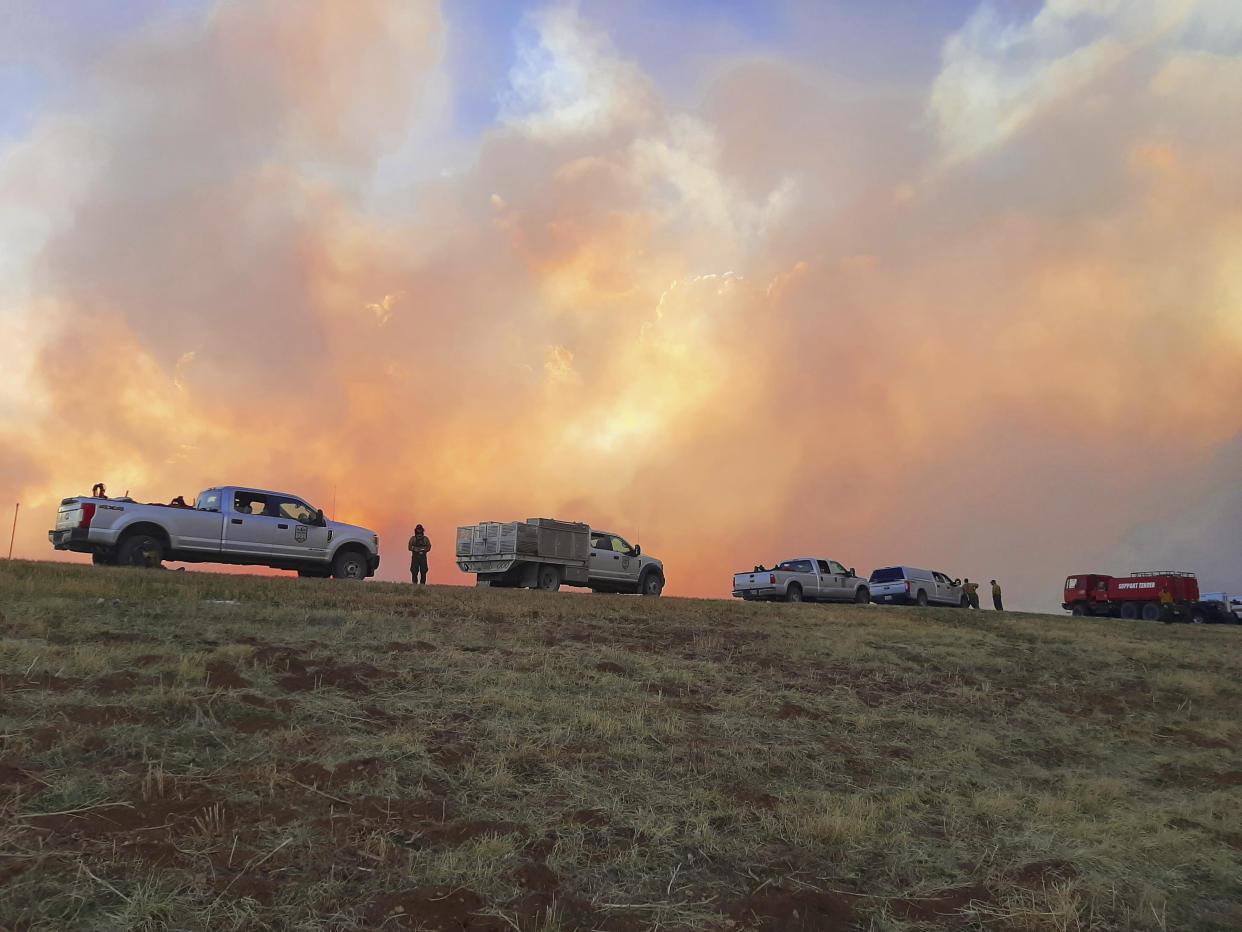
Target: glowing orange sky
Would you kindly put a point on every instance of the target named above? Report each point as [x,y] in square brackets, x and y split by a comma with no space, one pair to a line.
[988,322]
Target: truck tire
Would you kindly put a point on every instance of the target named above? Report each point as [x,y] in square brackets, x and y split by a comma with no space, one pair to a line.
[1198,616]
[1129,611]
[921,599]
[793,593]
[549,578]
[651,583]
[349,564]
[1078,611]
[862,596]
[144,550]
[1151,611]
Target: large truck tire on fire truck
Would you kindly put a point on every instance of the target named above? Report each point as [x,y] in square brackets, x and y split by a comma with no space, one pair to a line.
[1142,595]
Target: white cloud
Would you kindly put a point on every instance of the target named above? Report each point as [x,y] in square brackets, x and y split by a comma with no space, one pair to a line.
[997,75]
[571,81]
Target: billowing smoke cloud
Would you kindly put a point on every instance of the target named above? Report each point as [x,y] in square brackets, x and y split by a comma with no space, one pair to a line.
[981,324]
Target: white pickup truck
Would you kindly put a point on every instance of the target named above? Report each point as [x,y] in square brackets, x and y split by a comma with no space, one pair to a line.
[805,580]
[248,527]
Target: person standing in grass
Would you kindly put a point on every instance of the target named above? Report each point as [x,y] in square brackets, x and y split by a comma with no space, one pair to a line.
[996,596]
[971,590]
[420,546]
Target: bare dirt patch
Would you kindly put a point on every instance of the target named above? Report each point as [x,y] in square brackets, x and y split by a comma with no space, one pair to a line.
[1041,873]
[112,684]
[223,675]
[435,909]
[356,678]
[776,909]
[938,906]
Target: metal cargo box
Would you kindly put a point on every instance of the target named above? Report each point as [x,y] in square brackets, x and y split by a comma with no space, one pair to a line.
[566,540]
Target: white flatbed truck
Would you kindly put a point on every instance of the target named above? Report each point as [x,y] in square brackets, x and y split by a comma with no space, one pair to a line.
[544,553]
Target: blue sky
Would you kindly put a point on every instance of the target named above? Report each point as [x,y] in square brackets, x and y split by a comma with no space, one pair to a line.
[674,41]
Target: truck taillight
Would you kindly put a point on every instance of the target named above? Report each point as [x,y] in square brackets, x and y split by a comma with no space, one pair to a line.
[907,585]
[88,512]
[772,579]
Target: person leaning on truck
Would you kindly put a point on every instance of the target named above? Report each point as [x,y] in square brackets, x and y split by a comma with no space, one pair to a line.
[996,596]
[420,546]
[971,591]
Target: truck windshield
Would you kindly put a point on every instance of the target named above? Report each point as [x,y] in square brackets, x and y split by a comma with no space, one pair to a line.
[888,574]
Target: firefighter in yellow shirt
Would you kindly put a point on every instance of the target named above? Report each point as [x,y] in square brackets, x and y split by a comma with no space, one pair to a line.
[1166,605]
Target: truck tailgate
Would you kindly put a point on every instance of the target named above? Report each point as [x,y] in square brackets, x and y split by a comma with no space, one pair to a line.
[752,580]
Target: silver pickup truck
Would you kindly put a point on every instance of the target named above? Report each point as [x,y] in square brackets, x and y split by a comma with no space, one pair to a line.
[229,524]
[805,580]
[544,553]
[909,585]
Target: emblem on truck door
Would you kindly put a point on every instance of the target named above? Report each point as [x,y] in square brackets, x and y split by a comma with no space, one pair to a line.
[299,533]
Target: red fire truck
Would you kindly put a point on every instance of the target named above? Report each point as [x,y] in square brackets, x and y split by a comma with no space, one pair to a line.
[1133,596]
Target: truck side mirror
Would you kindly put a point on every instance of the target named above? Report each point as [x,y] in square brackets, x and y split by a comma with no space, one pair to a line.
[638,551]
[852,571]
[319,517]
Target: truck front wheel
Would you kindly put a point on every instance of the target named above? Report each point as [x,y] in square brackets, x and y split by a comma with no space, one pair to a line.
[349,565]
[652,583]
[1129,611]
[1078,611]
[549,579]
[1151,612]
[141,550]
[862,596]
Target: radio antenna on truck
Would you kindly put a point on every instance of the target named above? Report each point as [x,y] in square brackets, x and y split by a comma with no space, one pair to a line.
[16,508]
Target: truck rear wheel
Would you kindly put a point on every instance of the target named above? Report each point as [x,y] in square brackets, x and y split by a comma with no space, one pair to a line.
[549,579]
[1151,612]
[142,550]
[349,565]
[921,599]
[793,593]
[1129,611]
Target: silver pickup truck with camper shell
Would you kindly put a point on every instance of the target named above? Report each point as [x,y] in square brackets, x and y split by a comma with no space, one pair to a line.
[804,580]
[909,585]
[544,553]
[228,524]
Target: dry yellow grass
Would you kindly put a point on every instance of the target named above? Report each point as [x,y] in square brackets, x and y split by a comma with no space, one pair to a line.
[184,750]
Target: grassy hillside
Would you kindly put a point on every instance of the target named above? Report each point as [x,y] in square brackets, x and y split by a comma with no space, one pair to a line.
[203,751]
